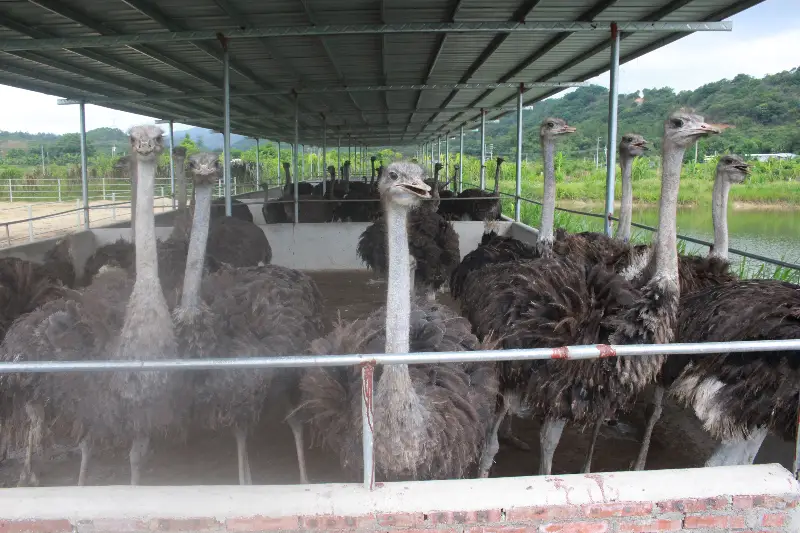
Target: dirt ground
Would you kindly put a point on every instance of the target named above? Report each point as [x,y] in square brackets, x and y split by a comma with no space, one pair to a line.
[678,441]
[60,225]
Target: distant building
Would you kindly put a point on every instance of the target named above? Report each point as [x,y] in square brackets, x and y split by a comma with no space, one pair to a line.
[765,157]
[640,99]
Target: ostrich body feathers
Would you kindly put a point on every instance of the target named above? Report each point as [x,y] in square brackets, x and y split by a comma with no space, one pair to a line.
[456,401]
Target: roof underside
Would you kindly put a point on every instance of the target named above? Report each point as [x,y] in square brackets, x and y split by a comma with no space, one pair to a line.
[296,63]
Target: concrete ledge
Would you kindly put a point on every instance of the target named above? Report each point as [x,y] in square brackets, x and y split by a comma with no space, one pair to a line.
[762,498]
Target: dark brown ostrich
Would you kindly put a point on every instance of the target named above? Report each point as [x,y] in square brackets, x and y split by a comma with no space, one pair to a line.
[430,420]
[110,319]
[483,205]
[560,301]
[310,210]
[242,312]
[433,245]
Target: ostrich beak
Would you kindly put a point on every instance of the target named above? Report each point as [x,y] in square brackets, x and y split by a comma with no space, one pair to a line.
[567,129]
[744,168]
[704,128]
[417,187]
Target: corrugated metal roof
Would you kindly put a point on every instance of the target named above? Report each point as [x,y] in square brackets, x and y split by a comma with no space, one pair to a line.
[298,63]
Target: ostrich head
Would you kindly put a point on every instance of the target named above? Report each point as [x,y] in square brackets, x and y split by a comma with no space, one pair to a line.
[632,145]
[733,168]
[286,167]
[683,128]
[403,184]
[373,158]
[147,141]
[179,151]
[553,128]
[204,168]
[332,171]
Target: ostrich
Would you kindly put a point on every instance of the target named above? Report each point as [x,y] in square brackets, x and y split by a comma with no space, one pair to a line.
[23,288]
[365,211]
[111,318]
[695,274]
[433,244]
[239,209]
[483,205]
[309,211]
[525,303]
[431,419]
[245,312]
[630,147]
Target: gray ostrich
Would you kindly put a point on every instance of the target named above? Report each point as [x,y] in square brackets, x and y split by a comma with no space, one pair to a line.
[631,146]
[242,312]
[525,303]
[431,419]
[110,319]
[179,159]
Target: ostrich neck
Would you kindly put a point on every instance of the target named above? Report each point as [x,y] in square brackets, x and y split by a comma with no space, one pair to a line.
[497,180]
[180,179]
[197,247]
[133,167]
[398,296]
[719,215]
[144,223]
[626,206]
[548,195]
[666,242]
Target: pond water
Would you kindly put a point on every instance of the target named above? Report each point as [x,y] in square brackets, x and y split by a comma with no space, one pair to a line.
[769,232]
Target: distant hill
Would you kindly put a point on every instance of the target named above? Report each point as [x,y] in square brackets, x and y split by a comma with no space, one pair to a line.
[764,111]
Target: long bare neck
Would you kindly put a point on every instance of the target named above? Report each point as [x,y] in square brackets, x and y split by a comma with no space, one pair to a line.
[497,180]
[665,247]
[287,183]
[398,296]
[144,223]
[626,207]
[719,215]
[133,168]
[548,197]
[180,181]
[195,260]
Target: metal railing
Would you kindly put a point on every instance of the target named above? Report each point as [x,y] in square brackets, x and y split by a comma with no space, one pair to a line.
[367,363]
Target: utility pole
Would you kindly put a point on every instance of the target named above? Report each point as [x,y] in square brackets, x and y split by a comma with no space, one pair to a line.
[597,155]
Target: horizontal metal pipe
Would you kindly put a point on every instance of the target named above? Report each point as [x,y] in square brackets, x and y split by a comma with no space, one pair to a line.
[55,43]
[302,361]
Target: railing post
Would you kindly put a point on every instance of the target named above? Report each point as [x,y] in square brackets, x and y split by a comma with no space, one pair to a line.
[59,189]
[30,223]
[113,206]
[279,162]
[104,186]
[10,192]
[295,149]
[367,425]
[226,133]
[325,156]
[8,235]
[613,101]
[518,193]
[172,162]
[162,199]
[258,166]
[446,156]
[78,212]
[461,161]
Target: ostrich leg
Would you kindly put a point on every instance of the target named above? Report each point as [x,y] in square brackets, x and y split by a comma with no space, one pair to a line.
[491,445]
[507,436]
[86,454]
[241,453]
[656,406]
[35,412]
[587,465]
[752,444]
[297,430]
[137,454]
[549,435]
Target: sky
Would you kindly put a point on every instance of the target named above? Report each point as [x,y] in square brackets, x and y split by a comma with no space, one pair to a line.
[764,41]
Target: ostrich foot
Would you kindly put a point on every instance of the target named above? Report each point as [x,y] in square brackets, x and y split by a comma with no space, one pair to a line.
[35,412]
[656,406]
[549,435]
[728,453]
[297,430]
[373,282]
[587,465]
[86,454]
[753,444]
[491,445]
[137,455]
[241,453]
[508,437]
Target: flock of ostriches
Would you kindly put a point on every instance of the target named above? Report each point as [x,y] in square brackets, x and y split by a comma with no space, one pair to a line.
[209,289]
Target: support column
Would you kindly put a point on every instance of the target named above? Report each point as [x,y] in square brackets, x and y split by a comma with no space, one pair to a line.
[519,155]
[446,156]
[461,161]
[613,101]
[279,162]
[302,155]
[339,155]
[172,161]
[84,169]
[258,165]
[325,156]
[483,149]
[294,157]
[226,154]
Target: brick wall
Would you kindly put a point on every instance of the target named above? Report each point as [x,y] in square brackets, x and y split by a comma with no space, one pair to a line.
[738,499]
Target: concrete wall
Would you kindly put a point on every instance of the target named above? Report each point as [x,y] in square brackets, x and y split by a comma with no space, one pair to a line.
[714,500]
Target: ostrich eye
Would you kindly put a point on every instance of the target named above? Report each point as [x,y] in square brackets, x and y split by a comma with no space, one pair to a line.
[678,123]
[133,140]
[627,139]
[393,175]
[551,125]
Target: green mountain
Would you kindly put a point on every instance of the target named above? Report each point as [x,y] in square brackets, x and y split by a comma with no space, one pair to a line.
[765,113]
